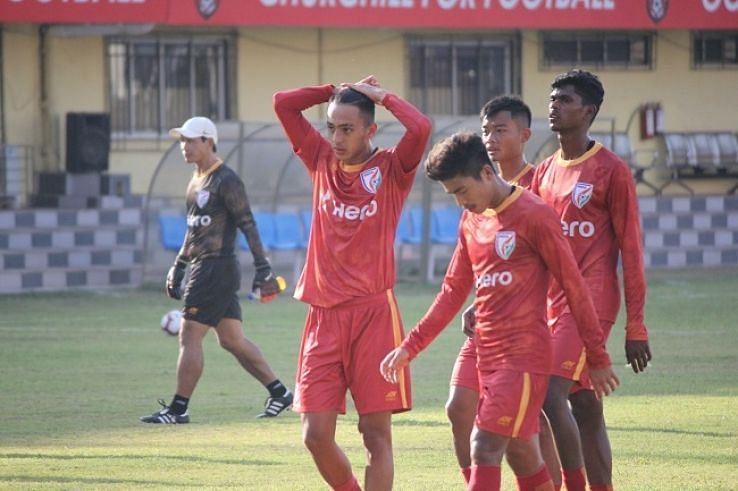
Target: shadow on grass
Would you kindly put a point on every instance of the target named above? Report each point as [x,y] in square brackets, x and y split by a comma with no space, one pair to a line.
[671,431]
[30,480]
[415,422]
[184,458]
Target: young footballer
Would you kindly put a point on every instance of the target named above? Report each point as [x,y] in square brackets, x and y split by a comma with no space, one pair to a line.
[216,207]
[505,131]
[593,193]
[353,320]
[509,241]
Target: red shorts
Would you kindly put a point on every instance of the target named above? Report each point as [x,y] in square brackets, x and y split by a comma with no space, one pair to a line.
[342,348]
[511,402]
[465,373]
[569,358]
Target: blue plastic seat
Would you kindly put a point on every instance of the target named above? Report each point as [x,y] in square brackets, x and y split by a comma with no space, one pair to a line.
[288,231]
[172,230]
[410,227]
[265,226]
[445,225]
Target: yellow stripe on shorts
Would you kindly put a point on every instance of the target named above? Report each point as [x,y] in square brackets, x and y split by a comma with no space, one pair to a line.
[397,333]
[580,366]
[523,408]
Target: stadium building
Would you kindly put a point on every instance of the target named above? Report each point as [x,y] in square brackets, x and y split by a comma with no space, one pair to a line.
[135,68]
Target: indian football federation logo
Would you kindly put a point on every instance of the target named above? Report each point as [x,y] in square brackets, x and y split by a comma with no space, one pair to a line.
[582,194]
[505,244]
[202,198]
[657,9]
[207,7]
[371,179]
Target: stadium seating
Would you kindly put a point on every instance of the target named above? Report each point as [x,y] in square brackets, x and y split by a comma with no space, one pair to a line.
[444,234]
[289,236]
[172,229]
[700,155]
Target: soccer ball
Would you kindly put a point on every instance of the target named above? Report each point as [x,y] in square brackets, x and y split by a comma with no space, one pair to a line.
[171,322]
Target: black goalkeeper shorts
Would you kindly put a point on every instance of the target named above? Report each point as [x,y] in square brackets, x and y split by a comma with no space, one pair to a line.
[212,291]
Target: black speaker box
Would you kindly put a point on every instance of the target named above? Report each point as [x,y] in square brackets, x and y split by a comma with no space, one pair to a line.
[88,142]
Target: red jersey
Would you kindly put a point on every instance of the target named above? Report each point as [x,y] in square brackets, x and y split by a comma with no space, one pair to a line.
[595,198]
[356,208]
[506,254]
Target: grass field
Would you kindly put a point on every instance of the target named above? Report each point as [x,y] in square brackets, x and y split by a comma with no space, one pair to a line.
[78,369]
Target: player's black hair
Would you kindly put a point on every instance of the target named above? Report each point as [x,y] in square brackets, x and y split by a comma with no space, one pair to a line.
[215,149]
[586,85]
[461,154]
[514,104]
[347,95]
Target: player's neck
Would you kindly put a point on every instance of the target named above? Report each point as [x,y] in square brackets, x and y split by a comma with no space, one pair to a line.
[510,169]
[573,145]
[500,191]
[362,157]
[206,164]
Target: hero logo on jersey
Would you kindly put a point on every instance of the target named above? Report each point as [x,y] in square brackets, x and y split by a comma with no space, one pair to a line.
[505,244]
[207,7]
[371,179]
[202,198]
[657,9]
[582,194]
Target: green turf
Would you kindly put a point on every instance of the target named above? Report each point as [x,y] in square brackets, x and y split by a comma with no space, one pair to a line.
[77,369]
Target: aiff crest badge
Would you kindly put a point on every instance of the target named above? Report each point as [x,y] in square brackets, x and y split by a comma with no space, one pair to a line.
[371,179]
[657,9]
[207,7]
[505,244]
[582,194]
[202,198]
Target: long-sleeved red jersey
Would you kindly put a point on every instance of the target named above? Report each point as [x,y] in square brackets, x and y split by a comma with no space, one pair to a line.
[595,199]
[356,208]
[506,254]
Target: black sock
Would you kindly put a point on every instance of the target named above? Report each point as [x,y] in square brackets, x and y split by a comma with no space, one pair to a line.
[276,389]
[179,404]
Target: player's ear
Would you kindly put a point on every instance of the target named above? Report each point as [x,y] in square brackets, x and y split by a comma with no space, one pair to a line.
[372,129]
[525,134]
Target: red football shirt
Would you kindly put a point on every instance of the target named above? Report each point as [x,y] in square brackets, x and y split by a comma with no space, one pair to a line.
[506,254]
[356,208]
[595,198]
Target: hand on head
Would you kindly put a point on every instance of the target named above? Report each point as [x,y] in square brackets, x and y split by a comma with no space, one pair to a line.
[369,86]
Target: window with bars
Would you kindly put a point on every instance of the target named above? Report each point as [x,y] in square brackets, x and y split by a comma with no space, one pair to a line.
[157,83]
[601,50]
[456,77]
[715,49]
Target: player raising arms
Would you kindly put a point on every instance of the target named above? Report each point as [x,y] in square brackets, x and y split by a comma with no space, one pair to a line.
[216,206]
[593,193]
[505,131]
[509,241]
[353,319]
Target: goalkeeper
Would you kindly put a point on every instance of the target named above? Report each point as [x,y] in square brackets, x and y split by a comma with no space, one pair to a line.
[216,206]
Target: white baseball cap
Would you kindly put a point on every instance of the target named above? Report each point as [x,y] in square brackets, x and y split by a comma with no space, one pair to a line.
[194,127]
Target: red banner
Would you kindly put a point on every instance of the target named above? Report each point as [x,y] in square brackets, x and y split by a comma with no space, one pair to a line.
[86,11]
[456,14]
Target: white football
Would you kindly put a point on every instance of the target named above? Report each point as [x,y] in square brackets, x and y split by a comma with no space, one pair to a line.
[171,322]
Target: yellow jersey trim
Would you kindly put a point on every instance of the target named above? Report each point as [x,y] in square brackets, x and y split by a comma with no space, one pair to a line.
[568,163]
[212,169]
[351,168]
[491,212]
[528,167]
